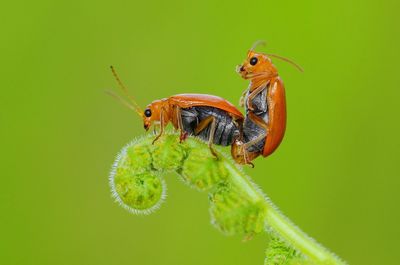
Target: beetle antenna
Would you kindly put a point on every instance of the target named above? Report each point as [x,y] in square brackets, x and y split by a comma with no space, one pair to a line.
[135,106]
[120,99]
[263,43]
[286,60]
[258,43]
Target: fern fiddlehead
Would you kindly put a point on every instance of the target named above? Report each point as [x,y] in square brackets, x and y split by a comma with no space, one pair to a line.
[237,206]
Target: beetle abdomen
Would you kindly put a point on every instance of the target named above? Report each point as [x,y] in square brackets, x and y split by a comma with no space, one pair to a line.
[226,129]
[251,130]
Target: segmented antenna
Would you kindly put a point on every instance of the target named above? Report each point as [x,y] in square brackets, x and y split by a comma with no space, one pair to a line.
[286,60]
[262,42]
[134,105]
[258,43]
[120,99]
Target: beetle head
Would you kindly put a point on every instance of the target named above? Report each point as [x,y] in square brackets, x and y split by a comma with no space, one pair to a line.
[152,113]
[237,151]
[241,155]
[259,66]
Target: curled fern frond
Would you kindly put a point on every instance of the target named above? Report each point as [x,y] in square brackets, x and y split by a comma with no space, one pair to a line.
[237,205]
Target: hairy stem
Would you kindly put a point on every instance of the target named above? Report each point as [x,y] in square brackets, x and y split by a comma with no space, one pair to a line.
[298,239]
[237,205]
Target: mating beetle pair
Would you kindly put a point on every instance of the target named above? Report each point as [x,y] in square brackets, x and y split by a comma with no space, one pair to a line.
[218,121]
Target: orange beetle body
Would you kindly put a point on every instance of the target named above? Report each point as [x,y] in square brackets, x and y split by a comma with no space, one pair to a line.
[181,101]
[277,124]
[268,122]
[168,109]
[209,117]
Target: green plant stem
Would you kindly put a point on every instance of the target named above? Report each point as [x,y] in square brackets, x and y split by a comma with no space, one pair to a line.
[282,226]
[298,239]
[237,205]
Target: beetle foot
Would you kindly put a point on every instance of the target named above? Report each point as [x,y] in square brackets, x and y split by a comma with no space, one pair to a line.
[250,164]
[241,101]
[215,155]
[156,139]
[183,137]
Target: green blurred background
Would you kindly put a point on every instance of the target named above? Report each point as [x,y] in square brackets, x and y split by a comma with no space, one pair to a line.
[336,175]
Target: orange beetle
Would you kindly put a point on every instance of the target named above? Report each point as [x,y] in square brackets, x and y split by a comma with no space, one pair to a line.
[265,104]
[211,118]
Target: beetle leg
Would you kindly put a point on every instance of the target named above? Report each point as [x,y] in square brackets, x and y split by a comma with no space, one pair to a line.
[202,125]
[240,127]
[183,134]
[260,122]
[253,94]
[161,126]
[211,138]
[252,142]
[242,97]
[248,157]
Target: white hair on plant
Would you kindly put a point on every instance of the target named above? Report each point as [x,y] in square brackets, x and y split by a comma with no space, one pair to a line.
[148,211]
[116,197]
[237,204]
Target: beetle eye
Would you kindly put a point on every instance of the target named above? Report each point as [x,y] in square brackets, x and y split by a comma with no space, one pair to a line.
[253,61]
[147,113]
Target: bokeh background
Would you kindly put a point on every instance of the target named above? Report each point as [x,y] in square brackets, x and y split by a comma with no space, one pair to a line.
[336,174]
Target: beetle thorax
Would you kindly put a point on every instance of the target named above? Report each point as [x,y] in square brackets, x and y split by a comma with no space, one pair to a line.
[161,109]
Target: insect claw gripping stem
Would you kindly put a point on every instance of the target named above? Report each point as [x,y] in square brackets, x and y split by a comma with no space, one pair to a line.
[155,140]
[183,137]
[237,205]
